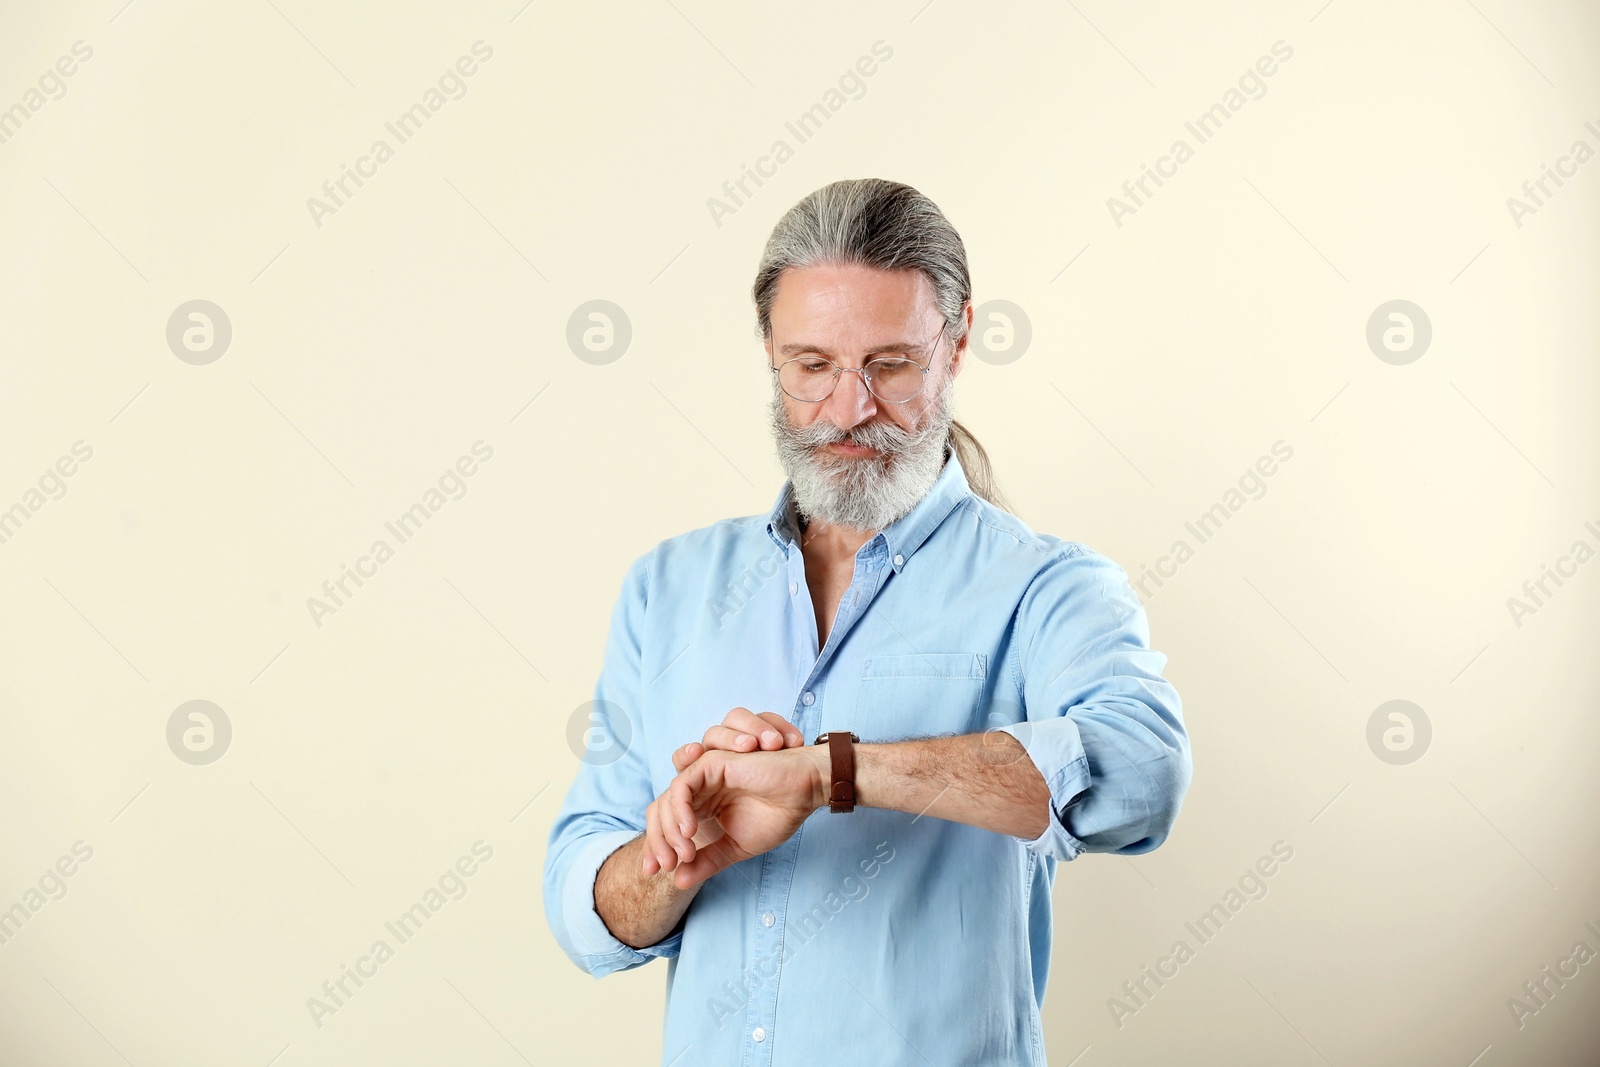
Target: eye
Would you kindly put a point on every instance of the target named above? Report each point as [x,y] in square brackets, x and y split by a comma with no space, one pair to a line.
[891,365]
[814,365]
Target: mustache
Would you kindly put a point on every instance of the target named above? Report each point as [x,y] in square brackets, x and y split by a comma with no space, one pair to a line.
[886,437]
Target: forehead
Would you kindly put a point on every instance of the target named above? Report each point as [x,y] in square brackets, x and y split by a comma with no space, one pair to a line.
[852,304]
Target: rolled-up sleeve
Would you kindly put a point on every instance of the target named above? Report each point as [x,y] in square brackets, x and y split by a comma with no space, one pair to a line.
[604,808]
[1102,725]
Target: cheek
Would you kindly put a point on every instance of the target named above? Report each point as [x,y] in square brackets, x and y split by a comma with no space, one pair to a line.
[908,416]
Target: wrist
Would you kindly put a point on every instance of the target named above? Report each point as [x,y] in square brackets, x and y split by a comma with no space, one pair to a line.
[821,774]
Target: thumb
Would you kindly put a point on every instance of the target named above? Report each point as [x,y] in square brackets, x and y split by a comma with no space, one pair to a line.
[710,860]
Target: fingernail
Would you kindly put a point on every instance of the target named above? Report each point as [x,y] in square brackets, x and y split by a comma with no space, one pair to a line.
[770,736]
[683,828]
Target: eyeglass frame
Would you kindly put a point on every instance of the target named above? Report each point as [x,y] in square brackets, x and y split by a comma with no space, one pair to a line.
[862,370]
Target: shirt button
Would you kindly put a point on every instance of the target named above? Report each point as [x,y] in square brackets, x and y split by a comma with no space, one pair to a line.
[768,919]
[759,1033]
[794,587]
[899,561]
[807,699]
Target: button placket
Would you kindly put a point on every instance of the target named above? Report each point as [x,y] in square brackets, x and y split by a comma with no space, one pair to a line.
[766,960]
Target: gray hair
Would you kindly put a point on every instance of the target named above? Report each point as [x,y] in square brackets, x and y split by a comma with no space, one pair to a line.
[872,222]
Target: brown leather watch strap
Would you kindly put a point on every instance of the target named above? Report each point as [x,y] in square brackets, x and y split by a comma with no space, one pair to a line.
[842,756]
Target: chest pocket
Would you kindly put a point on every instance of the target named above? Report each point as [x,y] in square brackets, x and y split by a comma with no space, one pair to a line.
[919,694]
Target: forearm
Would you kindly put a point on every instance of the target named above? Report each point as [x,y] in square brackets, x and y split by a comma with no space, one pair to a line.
[638,909]
[985,780]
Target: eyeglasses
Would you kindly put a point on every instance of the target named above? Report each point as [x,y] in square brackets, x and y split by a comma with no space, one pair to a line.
[892,379]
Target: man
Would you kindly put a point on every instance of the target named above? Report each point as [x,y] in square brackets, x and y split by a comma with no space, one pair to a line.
[993,688]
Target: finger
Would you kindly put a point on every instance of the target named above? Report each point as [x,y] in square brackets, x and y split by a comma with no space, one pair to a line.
[687,754]
[682,802]
[707,831]
[687,797]
[725,737]
[683,812]
[791,734]
[666,854]
[650,864]
[662,855]
[712,859]
[671,820]
[747,721]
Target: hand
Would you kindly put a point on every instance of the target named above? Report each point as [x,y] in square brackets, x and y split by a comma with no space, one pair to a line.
[742,730]
[755,800]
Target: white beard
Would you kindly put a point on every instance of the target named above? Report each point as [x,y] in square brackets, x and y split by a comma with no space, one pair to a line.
[863,492]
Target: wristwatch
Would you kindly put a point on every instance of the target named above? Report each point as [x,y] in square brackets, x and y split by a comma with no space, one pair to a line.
[841,751]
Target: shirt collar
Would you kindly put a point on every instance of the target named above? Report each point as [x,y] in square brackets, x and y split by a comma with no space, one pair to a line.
[900,538]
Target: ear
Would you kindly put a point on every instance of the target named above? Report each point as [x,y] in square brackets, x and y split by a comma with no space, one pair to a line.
[958,352]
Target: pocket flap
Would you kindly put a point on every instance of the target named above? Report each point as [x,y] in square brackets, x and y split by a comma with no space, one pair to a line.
[927,665]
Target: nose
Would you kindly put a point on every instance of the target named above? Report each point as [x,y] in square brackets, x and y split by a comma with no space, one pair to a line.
[851,403]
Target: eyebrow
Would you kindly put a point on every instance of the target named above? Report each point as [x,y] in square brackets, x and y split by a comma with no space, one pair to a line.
[796,347]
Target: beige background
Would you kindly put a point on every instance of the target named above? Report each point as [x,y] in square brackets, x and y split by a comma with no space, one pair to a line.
[430,312]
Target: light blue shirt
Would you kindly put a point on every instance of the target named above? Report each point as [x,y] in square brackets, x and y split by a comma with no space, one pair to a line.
[875,936]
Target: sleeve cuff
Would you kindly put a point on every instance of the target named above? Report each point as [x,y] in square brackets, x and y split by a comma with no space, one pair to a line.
[594,947]
[1057,750]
